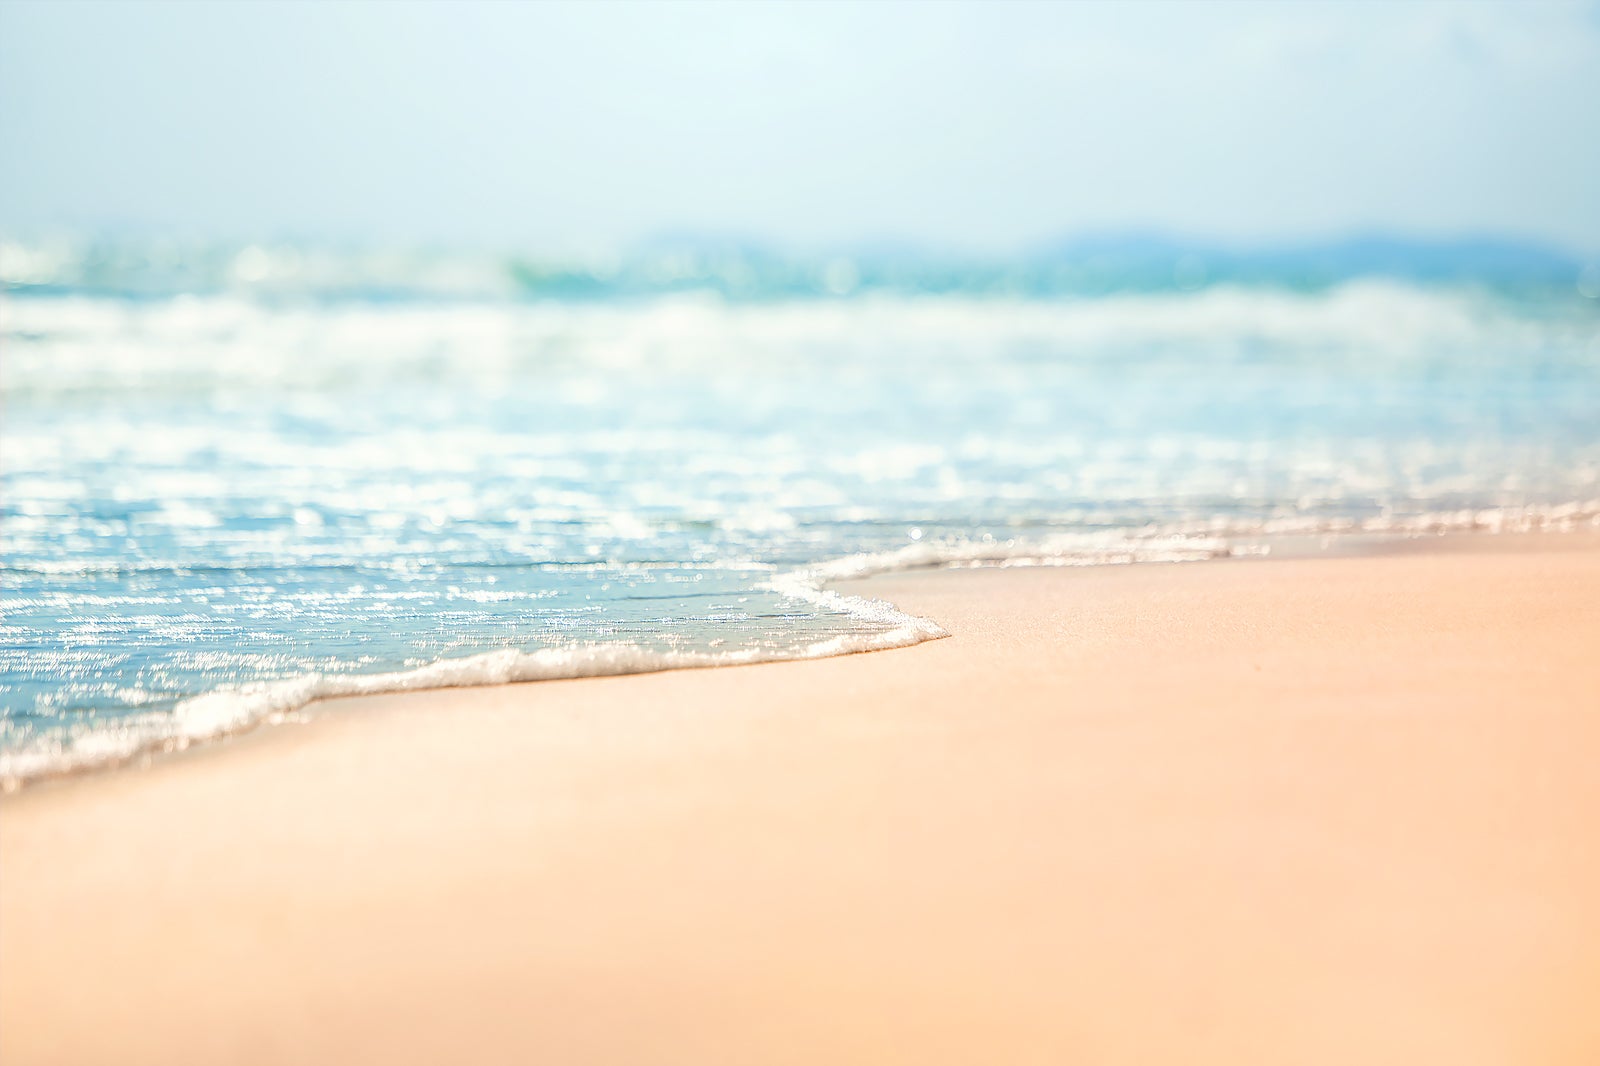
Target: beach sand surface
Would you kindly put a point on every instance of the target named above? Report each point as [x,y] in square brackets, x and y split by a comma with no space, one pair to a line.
[1288,810]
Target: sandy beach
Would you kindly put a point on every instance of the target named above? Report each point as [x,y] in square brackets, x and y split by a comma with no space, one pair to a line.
[1316,810]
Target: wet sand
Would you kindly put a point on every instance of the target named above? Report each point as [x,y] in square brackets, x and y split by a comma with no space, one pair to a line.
[1320,810]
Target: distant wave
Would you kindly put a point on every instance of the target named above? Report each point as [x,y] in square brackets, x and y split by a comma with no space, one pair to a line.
[86,344]
[1094,266]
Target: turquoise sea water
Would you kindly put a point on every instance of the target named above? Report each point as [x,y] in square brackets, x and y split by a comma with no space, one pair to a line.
[220,506]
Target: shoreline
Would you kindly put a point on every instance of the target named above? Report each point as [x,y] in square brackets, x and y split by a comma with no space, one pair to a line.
[1325,808]
[1309,544]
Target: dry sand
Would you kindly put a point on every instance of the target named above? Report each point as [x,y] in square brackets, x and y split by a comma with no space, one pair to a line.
[1329,810]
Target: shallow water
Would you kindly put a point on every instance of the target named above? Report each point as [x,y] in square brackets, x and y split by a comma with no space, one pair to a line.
[219,507]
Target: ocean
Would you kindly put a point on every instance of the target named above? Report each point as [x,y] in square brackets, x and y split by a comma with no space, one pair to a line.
[231,489]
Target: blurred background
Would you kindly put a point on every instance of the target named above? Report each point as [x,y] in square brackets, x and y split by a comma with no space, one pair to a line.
[1016,136]
[347,347]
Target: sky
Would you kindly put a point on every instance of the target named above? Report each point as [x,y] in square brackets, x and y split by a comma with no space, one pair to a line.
[975,126]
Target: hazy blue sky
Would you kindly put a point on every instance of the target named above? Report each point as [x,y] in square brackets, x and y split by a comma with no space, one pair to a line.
[980,125]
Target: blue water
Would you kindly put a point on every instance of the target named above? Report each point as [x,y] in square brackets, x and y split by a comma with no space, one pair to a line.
[218,507]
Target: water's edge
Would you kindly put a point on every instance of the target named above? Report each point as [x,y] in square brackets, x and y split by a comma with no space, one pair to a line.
[203,720]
